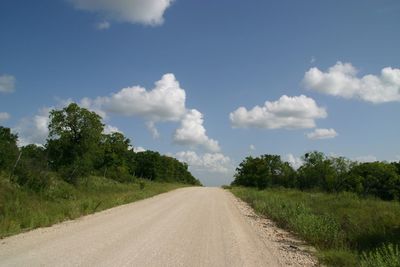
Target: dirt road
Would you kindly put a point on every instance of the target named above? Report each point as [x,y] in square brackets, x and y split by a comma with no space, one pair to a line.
[186,227]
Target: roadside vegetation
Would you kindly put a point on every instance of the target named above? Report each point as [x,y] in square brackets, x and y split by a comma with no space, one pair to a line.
[348,210]
[78,171]
[23,209]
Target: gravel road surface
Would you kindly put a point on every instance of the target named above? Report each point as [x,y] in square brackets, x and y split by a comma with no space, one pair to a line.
[196,226]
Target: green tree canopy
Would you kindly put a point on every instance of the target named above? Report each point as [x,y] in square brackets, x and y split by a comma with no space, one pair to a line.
[264,171]
[74,137]
[8,149]
[379,179]
[115,158]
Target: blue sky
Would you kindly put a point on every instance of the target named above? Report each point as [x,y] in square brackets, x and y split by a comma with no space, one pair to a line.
[343,56]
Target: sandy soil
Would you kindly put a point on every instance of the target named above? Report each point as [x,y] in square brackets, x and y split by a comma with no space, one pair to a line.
[186,227]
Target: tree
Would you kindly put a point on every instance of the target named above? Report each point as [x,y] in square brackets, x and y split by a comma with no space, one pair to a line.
[153,166]
[8,149]
[342,180]
[115,156]
[287,177]
[316,172]
[397,166]
[264,171]
[247,172]
[32,168]
[147,162]
[74,137]
[379,179]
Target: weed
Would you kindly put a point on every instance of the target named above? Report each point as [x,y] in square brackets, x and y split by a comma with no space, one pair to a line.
[384,256]
[22,209]
[343,227]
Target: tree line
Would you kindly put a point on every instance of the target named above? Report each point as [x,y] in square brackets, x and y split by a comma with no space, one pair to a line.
[322,172]
[77,148]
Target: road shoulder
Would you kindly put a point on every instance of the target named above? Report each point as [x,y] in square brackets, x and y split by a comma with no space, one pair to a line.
[284,245]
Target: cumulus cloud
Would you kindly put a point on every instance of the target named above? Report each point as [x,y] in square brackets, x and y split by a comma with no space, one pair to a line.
[7,83]
[148,12]
[33,130]
[104,25]
[109,129]
[341,80]
[322,134]
[192,132]
[4,116]
[165,102]
[88,103]
[294,161]
[208,162]
[287,112]
[139,149]
[152,129]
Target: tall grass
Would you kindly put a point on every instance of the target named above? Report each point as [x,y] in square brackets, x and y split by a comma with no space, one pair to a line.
[22,209]
[343,227]
[385,256]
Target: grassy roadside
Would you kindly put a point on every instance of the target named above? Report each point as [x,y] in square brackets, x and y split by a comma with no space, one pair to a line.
[346,230]
[22,209]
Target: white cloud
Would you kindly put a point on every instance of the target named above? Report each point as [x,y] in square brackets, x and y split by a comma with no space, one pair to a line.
[294,161]
[367,158]
[341,80]
[148,12]
[139,149]
[33,130]
[92,105]
[208,162]
[313,59]
[165,102]
[322,134]
[108,129]
[4,116]
[192,132]
[287,112]
[252,147]
[152,129]
[7,83]
[104,25]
